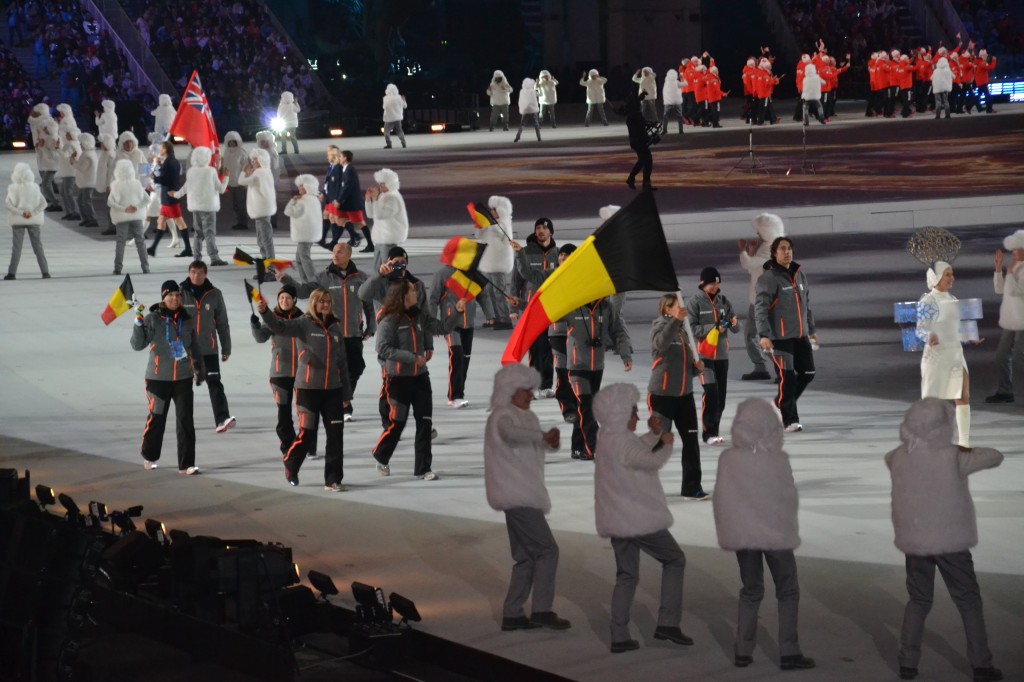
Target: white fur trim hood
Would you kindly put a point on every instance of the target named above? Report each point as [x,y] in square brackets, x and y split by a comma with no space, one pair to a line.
[390,218]
[755,501]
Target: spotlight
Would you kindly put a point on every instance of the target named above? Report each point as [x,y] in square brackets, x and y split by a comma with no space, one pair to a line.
[404,608]
[157,531]
[336,132]
[277,125]
[371,608]
[73,512]
[178,536]
[123,521]
[178,139]
[44,496]
[134,512]
[19,145]
[98,511]
[437,127]
[322,583]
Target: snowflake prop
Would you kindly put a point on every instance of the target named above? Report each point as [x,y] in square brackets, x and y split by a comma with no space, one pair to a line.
[932,244]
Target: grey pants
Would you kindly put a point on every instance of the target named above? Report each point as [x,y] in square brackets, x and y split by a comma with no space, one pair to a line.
[663,548]
[499,111]
[265,236]
[205,223]
[782,565]
[380,255]
[548,111]
[46,187]
[1009,357]
[393,127]
[595,108]
[649,109]
[69,195]
[957,571]
[133,229]
[238,205]
[85,203]
[672,112]
[808,105]
[941,103]
[304,260]
[37,247]
[531,119]
[751,341]
[492,301]
[536,555]
[285,135]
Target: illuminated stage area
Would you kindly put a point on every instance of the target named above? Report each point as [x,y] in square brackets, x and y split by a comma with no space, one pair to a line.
[72,408]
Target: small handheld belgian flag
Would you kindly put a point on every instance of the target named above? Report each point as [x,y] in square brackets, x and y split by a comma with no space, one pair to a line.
[479,214]
[120,302]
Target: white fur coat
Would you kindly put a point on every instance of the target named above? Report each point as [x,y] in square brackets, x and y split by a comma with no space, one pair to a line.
[24,196]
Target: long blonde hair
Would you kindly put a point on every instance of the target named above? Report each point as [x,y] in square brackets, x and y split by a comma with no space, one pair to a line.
[314,302]
[665,302]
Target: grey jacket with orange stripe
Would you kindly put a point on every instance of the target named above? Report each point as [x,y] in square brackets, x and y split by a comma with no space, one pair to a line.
[587,327]
[442,300]
[356,315]
[672,360]
[159,329]
[209,314]
[782,303]
[284,350]
[400,338]
[321,363]
[706,313]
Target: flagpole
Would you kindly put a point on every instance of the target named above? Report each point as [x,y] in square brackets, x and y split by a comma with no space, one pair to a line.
[688,329]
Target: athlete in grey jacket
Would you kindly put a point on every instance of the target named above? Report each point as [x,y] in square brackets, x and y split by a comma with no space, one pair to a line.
[175,358]
[205,303]
[785,325]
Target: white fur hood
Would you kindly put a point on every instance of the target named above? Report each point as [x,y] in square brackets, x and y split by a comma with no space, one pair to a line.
[390,219]
[755,501]
[125,191]
[528,102]
[304,211]
[670,92]
[932,509]
[23,195]
[629,499]
[498,257]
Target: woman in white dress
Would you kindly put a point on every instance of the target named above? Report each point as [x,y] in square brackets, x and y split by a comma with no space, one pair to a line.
[943,367]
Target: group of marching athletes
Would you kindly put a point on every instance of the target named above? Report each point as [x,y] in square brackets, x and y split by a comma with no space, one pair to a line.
[951,81]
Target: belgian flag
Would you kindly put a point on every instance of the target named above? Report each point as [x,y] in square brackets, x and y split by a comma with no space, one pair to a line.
[466,285]
[462,253]
[627,253]
[252,293]
[480,214]
[120,302]
[242,258]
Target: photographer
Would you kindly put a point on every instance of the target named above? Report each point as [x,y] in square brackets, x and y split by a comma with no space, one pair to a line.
[395,269]
[588,325]
[639,141]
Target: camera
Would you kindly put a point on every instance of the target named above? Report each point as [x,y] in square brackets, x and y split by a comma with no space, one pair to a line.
[595,343]
[398,267]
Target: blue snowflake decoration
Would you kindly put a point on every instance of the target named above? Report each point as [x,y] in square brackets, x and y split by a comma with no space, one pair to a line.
[927,312]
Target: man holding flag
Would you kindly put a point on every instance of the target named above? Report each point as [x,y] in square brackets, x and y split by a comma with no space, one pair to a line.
[209,318]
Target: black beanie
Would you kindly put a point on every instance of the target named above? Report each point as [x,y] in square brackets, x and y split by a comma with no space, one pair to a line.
[709,275]
[567,249]
[290,290]
[546,222]
[397,252]
[168,287]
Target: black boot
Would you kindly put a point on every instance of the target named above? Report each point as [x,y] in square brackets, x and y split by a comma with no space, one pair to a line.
[156,240]
[369,242]
[354,239]
[187,253]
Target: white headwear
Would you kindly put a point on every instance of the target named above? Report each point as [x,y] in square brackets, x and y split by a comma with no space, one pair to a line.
[1014,241]
[510,379]
[935,273]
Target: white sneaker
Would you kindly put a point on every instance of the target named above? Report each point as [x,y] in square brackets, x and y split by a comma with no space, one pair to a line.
[191,471]
[347,417]
[716,440]
[545,393]
[225,425]
[429,476]
[147,465]
[383,469]
[458,403]
[794,427]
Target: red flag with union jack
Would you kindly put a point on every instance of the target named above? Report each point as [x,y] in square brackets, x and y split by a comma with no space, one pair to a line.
[194,120]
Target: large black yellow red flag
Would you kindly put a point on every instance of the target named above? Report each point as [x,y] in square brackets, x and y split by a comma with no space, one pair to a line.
[462,253]
[120,302]
[480,214]
[627,253]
